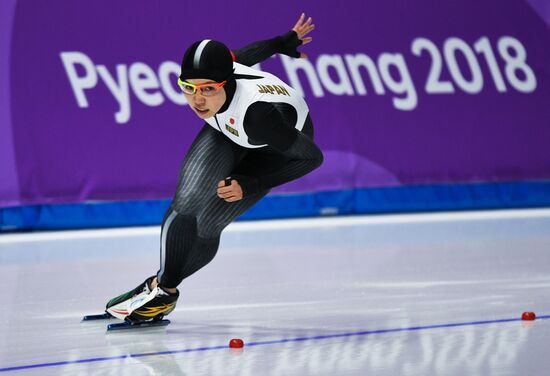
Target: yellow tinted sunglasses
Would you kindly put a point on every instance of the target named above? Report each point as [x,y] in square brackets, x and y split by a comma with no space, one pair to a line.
[206,89]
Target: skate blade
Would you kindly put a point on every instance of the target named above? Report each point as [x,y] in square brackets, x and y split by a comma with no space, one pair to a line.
[102,316]
[137,325]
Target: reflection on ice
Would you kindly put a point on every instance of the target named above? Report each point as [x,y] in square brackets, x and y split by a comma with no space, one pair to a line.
[471,350]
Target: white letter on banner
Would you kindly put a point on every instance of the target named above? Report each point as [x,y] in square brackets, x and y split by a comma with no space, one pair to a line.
[120,92]
[404,86]
[142,77]
[291,65]
[361,60]
[172,91]
[78,84]
[343,86]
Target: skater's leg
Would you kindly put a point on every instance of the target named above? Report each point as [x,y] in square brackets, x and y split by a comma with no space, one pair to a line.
[182,232]
[192,226]
[190,232]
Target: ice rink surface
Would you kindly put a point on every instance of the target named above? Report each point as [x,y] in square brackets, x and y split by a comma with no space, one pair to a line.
[423,294]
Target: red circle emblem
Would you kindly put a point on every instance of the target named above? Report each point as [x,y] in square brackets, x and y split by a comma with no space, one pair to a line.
[232,121]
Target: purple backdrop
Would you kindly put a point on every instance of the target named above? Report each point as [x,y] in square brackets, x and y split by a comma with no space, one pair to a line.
[400,92]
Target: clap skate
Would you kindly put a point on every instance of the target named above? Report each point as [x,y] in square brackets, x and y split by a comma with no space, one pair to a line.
[139,308]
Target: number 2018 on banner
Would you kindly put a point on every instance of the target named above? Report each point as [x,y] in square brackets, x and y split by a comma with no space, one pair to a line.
[519,75]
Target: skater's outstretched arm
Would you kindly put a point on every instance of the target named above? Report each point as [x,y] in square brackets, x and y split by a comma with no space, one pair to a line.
[286,44]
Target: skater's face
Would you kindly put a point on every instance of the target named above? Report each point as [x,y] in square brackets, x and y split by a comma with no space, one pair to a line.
[208,97]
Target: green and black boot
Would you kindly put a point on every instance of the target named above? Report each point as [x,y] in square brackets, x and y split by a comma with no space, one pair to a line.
[118,307]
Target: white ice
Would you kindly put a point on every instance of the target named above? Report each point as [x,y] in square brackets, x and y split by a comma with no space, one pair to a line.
[293,280]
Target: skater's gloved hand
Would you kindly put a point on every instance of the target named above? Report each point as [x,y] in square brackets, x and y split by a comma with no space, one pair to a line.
[235,187]
[296,37]
[230,190]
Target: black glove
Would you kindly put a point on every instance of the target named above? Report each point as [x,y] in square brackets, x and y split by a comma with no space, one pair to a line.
[288,43]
